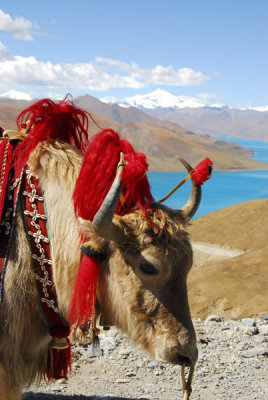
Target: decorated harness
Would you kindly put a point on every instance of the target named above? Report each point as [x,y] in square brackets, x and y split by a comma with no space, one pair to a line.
[25,191]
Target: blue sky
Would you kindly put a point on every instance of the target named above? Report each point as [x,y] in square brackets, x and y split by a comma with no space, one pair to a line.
[211,50]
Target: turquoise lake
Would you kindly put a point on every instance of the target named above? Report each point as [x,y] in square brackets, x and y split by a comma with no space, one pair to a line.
[222,190]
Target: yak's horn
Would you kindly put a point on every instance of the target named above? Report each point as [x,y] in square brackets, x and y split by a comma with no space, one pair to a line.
[103,223]
[192,204]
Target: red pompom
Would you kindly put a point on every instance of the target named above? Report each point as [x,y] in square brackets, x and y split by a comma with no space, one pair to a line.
[202,171]
[135,168]
[98,172]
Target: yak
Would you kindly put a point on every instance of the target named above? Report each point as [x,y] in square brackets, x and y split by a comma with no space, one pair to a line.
[141,285]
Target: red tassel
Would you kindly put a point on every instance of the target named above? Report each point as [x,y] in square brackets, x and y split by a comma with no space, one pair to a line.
[84,291]
[98,172]
[202,171]
[61,357]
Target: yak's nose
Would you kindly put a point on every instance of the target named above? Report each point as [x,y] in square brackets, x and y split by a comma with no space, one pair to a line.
[188,358]
[181,350]
[187,349]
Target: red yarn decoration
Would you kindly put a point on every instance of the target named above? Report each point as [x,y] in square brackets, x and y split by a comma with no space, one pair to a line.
[202,171]
[84,291]
[60,121]
[98,172]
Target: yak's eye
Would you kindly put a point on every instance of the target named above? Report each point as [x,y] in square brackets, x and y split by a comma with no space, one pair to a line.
[148,268]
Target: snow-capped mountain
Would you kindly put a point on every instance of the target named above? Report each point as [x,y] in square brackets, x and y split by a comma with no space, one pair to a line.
[161,99]
[158,99]
[16,95]
[200,114]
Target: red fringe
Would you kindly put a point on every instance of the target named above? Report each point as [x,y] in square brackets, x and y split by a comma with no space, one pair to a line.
[61,359]
[60,121]
[84,291]
[202,171]
[98,172]
[62,363]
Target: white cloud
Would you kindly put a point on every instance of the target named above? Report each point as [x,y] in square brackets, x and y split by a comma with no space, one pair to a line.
[4,54]
[100,74]
[211,100]
[55,96]
[20,27]
[260,108]
[159,75]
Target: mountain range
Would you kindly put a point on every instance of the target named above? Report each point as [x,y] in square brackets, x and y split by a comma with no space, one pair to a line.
[160,140]
[215,120]
[159,99]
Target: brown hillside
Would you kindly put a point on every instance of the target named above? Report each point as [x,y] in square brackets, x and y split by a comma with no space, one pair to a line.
[114,112]
[8,115]
[162,143]
[232,285]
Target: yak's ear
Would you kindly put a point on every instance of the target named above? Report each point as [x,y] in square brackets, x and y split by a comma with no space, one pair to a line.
[94,245]
[85,226]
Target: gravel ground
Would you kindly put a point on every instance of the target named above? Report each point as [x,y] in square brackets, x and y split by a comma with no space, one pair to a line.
[232,365]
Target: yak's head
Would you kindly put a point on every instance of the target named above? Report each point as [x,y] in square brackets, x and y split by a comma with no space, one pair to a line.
[142,281]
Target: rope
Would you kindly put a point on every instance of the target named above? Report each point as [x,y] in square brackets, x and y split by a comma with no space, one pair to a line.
[186,385]
[4,162]
[176,188]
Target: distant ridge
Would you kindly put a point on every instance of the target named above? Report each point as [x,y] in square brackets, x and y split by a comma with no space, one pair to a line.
[228,122]
[160,141]
[114,112]
[214,120]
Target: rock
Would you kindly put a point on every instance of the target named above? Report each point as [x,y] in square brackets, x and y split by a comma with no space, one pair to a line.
[263,329]
[202,338]
[248,322]
[62,381]
[122,381]
[242,346]
[264,316]
[125,352]
[262,351]
[213,318]
[233,318]
[225,328]
[130,374]
[261,339]
[153,365]
[93,351]
[250,330]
